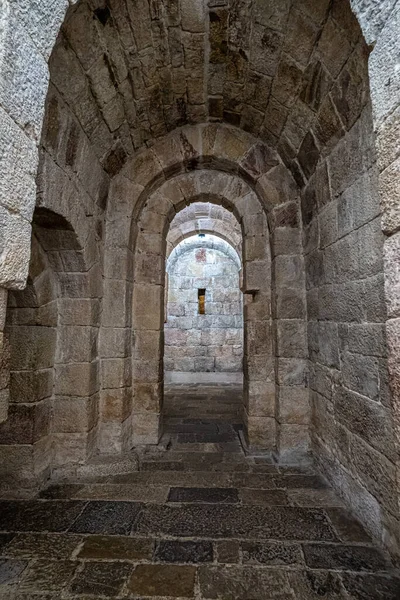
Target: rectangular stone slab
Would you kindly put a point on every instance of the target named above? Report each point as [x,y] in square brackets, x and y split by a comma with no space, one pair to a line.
[217,521]
[205,495]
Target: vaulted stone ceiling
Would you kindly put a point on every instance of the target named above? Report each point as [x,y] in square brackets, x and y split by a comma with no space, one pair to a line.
[204,217]
[293,73]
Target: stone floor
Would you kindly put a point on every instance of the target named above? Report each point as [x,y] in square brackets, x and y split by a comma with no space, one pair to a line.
[199,520]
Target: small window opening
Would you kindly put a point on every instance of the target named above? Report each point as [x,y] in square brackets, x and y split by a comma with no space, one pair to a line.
[201,294]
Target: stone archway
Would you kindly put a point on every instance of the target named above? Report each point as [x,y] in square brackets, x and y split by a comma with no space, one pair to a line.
[338,136]
[270,190]
[148,310]
[203,325]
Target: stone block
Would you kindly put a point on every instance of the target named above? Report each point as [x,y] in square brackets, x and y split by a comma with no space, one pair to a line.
[116,404]
[312,304]
[363,249]
[256,248]
[31,386]
[277,185]
[148,344]
[384,76]
[115,372]
[387,140]
[32,347]
[70,449]
[389,188]
[147,371]
[260,432]
[114,342]
[375,299]
[294,405]
[74,415]
[76,344]
[75,285]
[258,337]
[110,437]
[289,271]
[353,155]
[148,397]
[265,48]
[287,81]
[255,224]
[79,311]
[258,160]
[359,203]
[260,398]
[328,127]
[333,47]
[148,302]
[257,275]
[26,423]
[366,418]
[259,368]
[150,242]
[290,303]
[361,374]
[193,16]
[328,225]
[272,15]
[368,339]
[292,371]
[376,472]
[301,37]
[328,344]
[3,307]
[323,379]
[145,428]
[80,379]
[311,237]
[16,464]
[343,302]
[308,155]
[292,338]
[14,249]
[286,240]
[24,86]
[4,403]
[293,443]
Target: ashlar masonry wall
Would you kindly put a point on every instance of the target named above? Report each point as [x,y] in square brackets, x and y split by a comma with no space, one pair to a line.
[213,341]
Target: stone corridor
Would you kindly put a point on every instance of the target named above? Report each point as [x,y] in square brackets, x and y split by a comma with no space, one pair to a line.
[200,519]
[196,193]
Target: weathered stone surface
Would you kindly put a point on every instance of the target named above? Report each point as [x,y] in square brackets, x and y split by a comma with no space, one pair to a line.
[271,553]
[101,578]
[116,548]
[184,552]
[121,77]
[163,579]
[233,581]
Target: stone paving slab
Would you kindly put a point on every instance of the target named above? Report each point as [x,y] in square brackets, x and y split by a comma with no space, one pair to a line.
[107,517]
[204,495]
[204,520]
[199,521]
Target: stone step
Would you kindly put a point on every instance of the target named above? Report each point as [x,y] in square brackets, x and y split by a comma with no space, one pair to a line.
[101,465]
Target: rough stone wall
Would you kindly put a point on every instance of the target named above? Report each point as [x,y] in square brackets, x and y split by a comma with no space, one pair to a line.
[31,331]
[385,93]
[209,342]
[353,429]
[289,106]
